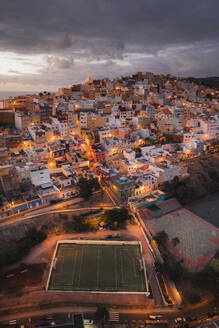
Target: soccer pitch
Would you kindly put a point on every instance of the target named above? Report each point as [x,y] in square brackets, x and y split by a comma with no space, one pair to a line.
[98,266]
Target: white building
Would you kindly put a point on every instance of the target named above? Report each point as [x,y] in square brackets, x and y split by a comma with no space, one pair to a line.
[216,117]
[22,120]
[40,176]
[83,120]
[146,184]
[22,172]
[144,133]
[187,137]
[209,128]
[154,154]
[60,125]
[104,133]
[126,114]
[82,104]
[195,145]
[63,181]
[37,134]
[129,154]
[168,172]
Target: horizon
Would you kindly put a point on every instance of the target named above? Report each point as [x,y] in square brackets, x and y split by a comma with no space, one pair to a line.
[12,93]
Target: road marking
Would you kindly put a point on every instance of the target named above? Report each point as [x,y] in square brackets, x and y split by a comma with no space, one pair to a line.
[114,316]
[12,322]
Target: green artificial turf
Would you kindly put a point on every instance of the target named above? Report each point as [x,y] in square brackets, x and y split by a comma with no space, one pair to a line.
[95,267]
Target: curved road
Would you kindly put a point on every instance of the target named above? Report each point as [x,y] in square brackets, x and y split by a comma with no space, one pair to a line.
[52,209]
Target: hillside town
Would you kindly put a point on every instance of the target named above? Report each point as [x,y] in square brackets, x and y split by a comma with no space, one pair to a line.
[143,127]
[138,139]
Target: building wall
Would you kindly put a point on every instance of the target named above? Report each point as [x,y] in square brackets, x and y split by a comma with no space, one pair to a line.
[22,120]
[122,191]
[39,177]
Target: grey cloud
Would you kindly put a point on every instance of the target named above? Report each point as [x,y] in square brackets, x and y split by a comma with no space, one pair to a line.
[151,24]
[111,37]
[55,62]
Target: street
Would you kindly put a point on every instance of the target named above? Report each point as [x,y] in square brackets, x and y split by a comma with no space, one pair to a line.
[129,316]
[55,208]
[168,314]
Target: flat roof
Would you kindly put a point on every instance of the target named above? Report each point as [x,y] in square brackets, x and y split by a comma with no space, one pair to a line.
[123,180]
[46,185]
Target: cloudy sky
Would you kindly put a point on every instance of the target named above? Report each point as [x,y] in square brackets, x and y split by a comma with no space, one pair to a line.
[46,44]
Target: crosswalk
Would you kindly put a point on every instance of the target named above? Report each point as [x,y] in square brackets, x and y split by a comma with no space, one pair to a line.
[114,316]
[12,322]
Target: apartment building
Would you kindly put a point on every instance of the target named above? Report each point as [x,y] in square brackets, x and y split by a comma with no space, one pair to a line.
[22,120]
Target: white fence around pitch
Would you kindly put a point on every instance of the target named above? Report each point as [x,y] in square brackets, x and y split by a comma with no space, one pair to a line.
[98,242]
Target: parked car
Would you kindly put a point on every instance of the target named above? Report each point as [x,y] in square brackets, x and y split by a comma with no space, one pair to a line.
[212,314]
[109,237]
[88,322]
[191,318]
[180,320]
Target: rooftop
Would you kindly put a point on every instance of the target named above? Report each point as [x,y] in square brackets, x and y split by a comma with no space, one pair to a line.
[123,180]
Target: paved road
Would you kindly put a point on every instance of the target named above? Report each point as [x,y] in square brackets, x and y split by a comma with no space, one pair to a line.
[53,209]
[63,315]
[168,313]
[149,259]
[71,210]
[23,215]
[109,193]
[147,253]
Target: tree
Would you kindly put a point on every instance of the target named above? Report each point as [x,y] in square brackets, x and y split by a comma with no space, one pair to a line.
[172,270]
[161,238]
[94,184]
[85,188]
[159,267]
[102,314]
[175,180]
[178,148]
[32,238]
[175,241]
[63,216]
[138,152]
[116,217]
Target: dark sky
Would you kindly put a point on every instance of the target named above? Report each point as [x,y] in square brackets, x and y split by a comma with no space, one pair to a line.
[51,43]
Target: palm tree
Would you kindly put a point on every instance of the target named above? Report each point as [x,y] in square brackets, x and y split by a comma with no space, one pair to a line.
[175,241]
[102,314]
[161,238]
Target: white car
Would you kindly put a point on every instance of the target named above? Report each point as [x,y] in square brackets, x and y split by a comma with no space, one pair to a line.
[179,320]
[88,322]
